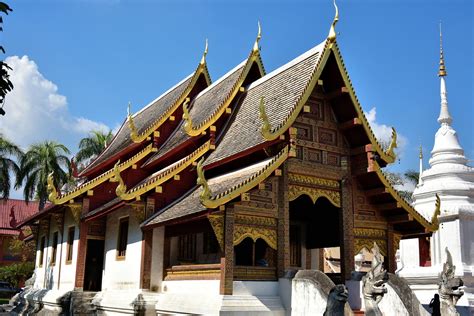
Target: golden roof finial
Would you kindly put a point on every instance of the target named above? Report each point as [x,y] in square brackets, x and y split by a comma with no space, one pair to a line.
[51,188]
[188,123]
[442,67]
[259,36]
[437,212]
[332,30]
[203,59]
[131,125]
[121,187]
[201,180]
[266,127]
[393,144]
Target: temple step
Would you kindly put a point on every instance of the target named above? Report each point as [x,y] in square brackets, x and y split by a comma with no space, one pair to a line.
[81,303]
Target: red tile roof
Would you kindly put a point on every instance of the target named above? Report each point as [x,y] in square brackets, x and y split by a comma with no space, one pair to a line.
[13,212]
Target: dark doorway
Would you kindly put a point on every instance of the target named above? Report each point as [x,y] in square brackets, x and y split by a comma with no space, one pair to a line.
[94,264]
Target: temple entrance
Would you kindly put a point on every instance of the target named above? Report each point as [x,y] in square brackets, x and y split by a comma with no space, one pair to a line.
[315,235]
[94,265]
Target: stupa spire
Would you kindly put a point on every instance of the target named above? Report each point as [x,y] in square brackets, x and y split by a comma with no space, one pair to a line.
[444,116]
[420,181]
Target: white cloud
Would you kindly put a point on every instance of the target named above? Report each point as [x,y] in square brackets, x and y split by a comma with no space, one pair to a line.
[384,132]
[35,111]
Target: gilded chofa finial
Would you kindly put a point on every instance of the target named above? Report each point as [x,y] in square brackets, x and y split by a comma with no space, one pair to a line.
[131,125]
[266,127]
[435,218]
[203,59]
[259,36]
[201,180]
[121,188]
[442,67]
[53,193]
[393,144]
[188,123]
[332,30]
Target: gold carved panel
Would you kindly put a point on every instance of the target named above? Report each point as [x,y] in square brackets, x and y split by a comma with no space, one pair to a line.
[361,243]
[370,233]
[217,224]
[255,220]
[242,231]
[296,191]
[309,180]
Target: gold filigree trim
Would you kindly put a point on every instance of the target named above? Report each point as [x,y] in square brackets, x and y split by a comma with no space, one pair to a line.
[360,243]
[310,180]
[430,226]
[217,224]
[370,232]
[76,211]
[255,220]
[159,179]
[83,188]
[267,234]
[295,191]
[221,109]
[210,201]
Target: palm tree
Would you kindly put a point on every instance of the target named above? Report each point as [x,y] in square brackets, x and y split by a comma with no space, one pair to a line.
[39,161]
[8,166]
[93,145]
[412,176]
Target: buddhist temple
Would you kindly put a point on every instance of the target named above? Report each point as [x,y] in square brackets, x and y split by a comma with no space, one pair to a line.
[210,197]
[450,180]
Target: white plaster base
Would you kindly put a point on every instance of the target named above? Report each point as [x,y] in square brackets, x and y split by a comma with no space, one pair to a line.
[120,302]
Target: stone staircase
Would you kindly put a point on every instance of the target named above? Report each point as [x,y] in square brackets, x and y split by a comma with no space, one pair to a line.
[81,303]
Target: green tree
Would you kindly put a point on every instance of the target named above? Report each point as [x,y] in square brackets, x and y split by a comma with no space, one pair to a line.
[5,83]
[412,176]
[39,161]
[92,145]
[8,166]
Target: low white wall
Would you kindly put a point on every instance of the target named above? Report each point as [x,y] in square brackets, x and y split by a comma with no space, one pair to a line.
[122,274]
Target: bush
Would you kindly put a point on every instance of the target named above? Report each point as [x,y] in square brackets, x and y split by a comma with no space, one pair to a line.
[17,273]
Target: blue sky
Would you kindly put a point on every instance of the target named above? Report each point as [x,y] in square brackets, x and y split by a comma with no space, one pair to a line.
[87,59]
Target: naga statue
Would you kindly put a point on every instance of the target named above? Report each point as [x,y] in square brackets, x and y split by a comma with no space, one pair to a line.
[336,301]
[449,288]
[374,284]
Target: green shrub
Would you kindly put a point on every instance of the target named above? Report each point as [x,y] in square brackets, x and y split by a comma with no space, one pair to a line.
[17,272]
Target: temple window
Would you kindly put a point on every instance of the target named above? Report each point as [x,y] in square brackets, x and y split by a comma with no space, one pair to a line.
[250,253]
[70,242]
[122,238]
[41,250]
[295,246]
[187,248]
[54,248]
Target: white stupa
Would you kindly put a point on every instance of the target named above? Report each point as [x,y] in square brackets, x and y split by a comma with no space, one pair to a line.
[452,179]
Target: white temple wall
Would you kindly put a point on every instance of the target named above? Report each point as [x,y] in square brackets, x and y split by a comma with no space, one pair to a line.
[40,266]
[410,252]
[68,270]
[467,245]
[157,258]
[122,274]
[449,236]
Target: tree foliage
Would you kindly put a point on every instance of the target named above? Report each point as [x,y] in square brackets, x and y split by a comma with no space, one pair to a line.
[5,83]
[9,155]
[39,161]
[92,145]
[17,273]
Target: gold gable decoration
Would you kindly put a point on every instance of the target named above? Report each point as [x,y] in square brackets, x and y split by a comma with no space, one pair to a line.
[360,244]
[267,234]
[217,224]
[296,191]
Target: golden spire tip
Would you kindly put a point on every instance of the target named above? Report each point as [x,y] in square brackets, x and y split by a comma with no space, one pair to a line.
[332,30]
[203,59]
[442,67]
[259,36]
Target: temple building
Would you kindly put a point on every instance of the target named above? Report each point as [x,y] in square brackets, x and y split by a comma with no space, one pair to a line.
[209,197]
[450,180]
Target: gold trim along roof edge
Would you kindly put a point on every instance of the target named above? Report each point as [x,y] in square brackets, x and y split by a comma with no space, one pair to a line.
[55,198]
[168,173]
[431,226]
[197,130]
[138,138]
[210,201]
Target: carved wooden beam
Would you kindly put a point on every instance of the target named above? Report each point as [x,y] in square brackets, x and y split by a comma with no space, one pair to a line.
[350,124]
[376,191]
[387,206]
[337,93]
[398,219]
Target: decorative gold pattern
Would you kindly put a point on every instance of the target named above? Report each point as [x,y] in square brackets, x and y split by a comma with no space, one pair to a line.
[266,127]
[131,126]
[138,209]
[222,108]
[370,232]
[83,188]
[217,223]
[393,144]
[255,220]
[437,212]
[295,191]
[360,243]
[309,180]
[269,235]
[396,241]
[442,68]
[161,178]
[76,211]
[210,201]
[332,30]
